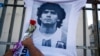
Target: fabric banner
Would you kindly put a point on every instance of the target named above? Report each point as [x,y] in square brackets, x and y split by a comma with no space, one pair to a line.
[56,23]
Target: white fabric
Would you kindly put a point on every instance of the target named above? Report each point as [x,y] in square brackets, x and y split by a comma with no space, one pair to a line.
[69,25]
[38,37]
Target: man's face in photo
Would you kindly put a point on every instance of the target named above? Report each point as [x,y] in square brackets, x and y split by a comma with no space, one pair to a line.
[49,17]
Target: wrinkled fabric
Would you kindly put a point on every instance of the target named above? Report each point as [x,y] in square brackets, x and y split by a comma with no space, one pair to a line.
[69,26]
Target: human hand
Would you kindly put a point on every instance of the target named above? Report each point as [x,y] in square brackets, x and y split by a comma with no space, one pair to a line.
[27,42]
[9,53]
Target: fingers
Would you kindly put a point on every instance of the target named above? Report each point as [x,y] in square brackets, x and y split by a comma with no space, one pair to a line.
[27,42]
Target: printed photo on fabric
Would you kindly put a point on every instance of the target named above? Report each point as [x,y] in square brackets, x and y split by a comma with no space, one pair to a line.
[50,18]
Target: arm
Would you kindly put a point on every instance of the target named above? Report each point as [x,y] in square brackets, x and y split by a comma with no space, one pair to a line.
[9,53]
[30,46]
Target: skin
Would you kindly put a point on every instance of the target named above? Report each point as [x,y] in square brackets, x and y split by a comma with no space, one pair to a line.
[30,46]
[49,20]
[49,17]
[9,53]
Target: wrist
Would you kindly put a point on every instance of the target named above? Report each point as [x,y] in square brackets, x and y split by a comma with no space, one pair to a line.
[30,46]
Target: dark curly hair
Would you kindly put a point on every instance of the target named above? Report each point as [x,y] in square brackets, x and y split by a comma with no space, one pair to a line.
[52,6]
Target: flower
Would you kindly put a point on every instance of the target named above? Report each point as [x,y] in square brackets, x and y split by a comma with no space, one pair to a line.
[32,22]
[29,32]
[31,27]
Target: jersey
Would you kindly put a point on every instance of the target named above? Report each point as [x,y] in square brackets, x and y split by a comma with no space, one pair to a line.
[55,40]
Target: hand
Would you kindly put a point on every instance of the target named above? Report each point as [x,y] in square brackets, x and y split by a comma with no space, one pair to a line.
[9,53]
[27,42]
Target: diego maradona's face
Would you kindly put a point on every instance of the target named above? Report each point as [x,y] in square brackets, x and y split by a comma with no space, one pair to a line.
[49,17]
